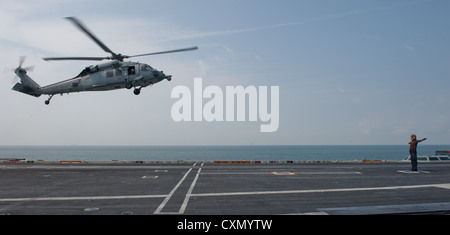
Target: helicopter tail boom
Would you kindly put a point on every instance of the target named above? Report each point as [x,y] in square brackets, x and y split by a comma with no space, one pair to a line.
[26,84]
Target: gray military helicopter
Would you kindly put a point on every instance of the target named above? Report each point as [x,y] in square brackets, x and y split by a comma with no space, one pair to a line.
[115,74]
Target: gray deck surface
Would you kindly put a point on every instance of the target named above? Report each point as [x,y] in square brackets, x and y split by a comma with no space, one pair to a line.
[230,189]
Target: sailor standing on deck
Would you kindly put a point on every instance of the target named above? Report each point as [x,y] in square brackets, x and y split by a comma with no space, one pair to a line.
[413,151]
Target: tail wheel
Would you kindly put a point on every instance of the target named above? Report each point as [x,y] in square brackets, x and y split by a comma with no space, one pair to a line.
[47,102]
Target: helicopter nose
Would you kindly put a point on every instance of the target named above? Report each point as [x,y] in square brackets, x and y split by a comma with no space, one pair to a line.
[158,74]
[168,77]
[161,75]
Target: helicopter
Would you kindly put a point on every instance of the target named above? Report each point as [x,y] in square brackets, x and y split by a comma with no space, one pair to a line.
[111,75]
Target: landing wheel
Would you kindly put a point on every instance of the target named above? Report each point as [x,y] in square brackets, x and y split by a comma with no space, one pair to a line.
[128,85]
[137,91]
[47,102]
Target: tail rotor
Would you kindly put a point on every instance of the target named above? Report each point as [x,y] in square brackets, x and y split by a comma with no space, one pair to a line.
[21,61]
[19,69]
[26,84]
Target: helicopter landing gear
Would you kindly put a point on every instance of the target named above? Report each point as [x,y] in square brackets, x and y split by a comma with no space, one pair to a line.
[137,91]
[47,102]
[128,85]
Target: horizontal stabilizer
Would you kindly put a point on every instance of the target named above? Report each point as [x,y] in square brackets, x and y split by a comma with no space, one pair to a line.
[24,89]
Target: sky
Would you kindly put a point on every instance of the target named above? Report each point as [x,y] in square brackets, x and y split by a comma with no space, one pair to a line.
[349,72]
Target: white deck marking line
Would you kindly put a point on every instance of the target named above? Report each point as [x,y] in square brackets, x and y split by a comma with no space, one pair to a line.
[330,173]
[79,198]
[445,186]
[163,204]
[412,172]
[150,177]
[296,173]
[189,193]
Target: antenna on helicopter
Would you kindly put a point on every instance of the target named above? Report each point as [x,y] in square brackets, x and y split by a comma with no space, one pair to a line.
[114,56]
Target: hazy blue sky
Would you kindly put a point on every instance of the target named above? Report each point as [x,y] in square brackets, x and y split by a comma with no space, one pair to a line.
[348,71]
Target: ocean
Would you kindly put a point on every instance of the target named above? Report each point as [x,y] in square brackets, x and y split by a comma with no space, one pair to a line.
[215,153]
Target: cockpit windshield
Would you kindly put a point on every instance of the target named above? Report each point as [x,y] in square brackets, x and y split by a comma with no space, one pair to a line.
[145,67]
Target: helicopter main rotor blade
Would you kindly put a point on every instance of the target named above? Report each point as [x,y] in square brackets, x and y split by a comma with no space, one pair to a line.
[83,28]
[113,56]
[75,58]
[164,52]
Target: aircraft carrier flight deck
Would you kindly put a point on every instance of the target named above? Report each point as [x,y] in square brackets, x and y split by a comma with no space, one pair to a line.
[199,188]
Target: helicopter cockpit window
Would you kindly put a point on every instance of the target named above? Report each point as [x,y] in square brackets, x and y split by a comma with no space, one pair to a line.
[131,70]
[145,67]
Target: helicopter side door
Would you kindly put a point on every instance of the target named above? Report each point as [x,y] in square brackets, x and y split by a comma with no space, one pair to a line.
[131,73]
[131,70]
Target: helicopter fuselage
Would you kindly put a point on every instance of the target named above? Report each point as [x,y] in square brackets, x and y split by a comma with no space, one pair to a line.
[108,76]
